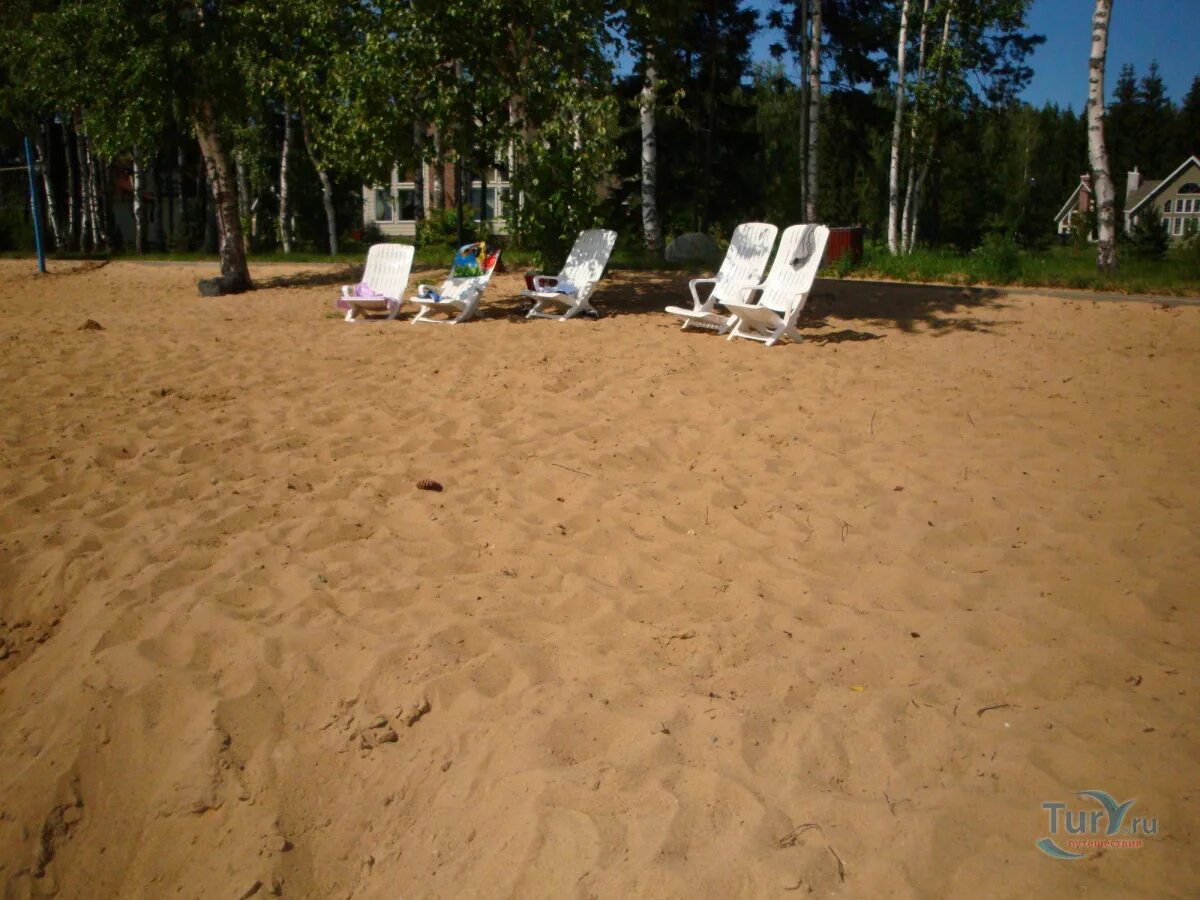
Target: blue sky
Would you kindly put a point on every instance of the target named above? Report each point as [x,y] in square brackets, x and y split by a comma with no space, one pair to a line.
[1141,32]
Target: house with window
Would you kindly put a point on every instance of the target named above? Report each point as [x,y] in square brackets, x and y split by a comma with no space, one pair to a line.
[392,207]
[1175,200]
[1077,209]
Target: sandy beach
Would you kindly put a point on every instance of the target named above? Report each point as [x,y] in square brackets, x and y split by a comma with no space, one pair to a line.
[690,618]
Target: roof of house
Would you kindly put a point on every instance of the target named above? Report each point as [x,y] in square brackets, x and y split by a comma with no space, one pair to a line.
[1138,195]
[1071,201]
[1160,186]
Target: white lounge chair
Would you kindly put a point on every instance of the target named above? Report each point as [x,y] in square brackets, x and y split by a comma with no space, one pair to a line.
[573,286]
[745,260]
[386,275]
[784,292]
[458,297]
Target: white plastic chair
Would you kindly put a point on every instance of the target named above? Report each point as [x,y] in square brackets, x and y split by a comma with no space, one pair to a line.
[459,297]
[743,266]
[581,272]
[386,274]
[785,291]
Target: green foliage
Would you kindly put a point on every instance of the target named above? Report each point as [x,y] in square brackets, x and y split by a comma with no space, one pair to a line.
[1149,238]
[559,176]
[1058,267]
[1000,258]
[440,228]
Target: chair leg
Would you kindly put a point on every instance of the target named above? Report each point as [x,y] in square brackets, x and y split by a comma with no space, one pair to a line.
[351,313]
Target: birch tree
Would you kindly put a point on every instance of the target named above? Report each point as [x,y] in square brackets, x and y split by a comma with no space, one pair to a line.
[285,206]
[1102,186]
[814,113]
[52,216]
[897,135]
[651,226]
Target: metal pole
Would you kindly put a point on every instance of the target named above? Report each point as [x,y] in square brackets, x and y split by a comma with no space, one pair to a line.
[33,203]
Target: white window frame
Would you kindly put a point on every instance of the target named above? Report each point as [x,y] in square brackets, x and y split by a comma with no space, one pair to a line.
[1178,227]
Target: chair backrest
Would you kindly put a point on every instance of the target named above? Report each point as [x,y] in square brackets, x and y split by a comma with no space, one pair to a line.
[457,288]
[745,260]
[387,269]
[801,250]
[587,259]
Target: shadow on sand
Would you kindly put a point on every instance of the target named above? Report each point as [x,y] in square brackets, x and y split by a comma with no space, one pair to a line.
[931,309]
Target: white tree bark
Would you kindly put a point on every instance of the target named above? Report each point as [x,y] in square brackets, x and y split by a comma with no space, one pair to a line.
[814,113]
[1106,247]
[92,201]
[419,175]
[72,199]
[326,184]
[222,180]
[651,227]
[906,230]
[911,234]
[285,230]
[139,226]
[243,184]
[48,185]
[85,190]
[439,172]
[897,134]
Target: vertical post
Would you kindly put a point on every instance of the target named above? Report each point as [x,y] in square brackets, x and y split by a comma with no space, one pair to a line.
[33,205]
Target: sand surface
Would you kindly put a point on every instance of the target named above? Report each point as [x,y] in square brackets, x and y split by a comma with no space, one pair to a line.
[691,618]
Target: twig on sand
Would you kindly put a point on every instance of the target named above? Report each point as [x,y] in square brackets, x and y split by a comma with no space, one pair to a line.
[873,420]
[969,419]
[845,528]
[792,838]
[979,712]
[892,804]
[569,469]
[841,866]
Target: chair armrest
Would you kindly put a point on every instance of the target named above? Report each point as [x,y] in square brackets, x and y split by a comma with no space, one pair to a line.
[347,290]
[697,303]
[544,281]
[745,290]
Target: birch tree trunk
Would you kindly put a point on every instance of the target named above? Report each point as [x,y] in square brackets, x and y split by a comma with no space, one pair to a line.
[48,185]
[906,231]
[96,178]
[160,232]
[235,274]
[651,227]
[439,176]
[243,184]
[326,184]
[72,200]
[911,234]
[85,225]
[139,226]
[814,113]
[897,133]
[418,175]
[1106,247]
[802,118]
[285,231]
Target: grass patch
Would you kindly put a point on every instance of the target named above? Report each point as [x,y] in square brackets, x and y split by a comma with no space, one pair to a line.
[1054,267]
